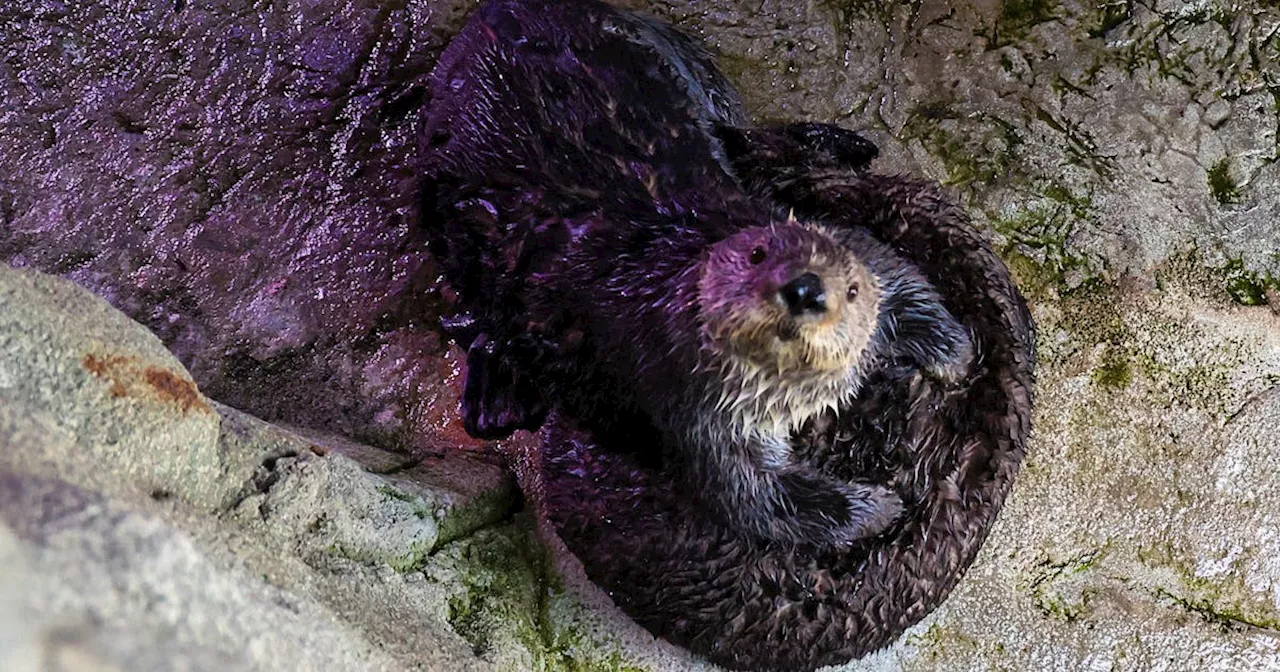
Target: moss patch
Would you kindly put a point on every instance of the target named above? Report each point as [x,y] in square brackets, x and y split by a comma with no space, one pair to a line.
[1114,372]
[1017,18]
[502,583]
[485,509]
[414,559]
[1053,584]
[944,643]
[1233,280]
[1110,15]
[1038,241]
[974,149]
[1222,185]
[1125,343]
[506,594]
[419,508]
[1246,287]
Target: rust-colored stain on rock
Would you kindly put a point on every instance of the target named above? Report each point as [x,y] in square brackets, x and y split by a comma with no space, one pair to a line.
[129,377]
[172,388]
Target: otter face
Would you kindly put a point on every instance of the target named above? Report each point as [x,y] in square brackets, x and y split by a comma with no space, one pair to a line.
[790,298]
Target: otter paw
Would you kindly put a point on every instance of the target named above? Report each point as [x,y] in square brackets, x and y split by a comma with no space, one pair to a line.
[838,147]
[824,512]
[498,398]
[871,510]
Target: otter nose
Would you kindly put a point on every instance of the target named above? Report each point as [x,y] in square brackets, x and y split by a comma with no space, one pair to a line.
[805,295]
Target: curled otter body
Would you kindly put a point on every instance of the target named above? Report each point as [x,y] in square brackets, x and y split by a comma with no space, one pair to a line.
[712,347]
[950,452]
[591,229]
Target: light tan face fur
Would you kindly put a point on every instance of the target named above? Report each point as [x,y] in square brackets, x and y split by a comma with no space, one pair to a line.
[745,318]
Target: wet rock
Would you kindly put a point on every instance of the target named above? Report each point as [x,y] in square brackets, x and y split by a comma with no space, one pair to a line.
[237,179]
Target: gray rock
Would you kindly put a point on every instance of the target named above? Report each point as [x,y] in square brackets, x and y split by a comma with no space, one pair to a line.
[323,497]
[313,552]
[101,382]
[120,589]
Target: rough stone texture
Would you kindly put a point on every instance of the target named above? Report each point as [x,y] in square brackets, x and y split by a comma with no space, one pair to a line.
[136,405]
[133,591]
[235,176]
[313,552]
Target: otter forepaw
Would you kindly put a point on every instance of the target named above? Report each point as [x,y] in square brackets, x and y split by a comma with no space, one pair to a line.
[835,146]
[498,398]
[948,357]
[872,509]
[824,512]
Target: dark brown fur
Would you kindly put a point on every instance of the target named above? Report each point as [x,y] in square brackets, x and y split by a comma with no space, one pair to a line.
[580,201]
[952,454]
[951,451]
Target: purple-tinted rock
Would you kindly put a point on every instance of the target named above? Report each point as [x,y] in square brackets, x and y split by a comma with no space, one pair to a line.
[237,177]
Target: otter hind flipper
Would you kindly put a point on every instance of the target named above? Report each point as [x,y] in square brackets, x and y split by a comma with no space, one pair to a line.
[498,397]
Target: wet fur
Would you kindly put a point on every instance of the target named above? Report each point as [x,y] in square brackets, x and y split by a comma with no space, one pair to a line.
[594,217]
[950,440]
[951,452]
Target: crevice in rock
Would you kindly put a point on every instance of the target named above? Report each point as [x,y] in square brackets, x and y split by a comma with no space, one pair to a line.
[264,477]
[397,468]
[1228,621]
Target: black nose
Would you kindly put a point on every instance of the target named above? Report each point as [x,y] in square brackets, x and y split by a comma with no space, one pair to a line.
[804,295]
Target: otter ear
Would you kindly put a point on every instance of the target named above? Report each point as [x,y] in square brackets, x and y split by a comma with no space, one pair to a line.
[735,144]
[916,327]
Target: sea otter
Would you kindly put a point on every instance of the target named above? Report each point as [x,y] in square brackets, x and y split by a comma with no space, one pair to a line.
[951,452]
[608,264]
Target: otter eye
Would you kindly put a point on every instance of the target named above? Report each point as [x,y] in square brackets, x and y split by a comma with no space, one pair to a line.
[853,292]
[757,255]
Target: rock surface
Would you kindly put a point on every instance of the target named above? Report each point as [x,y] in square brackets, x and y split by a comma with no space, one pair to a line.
[316,553]
[236,177]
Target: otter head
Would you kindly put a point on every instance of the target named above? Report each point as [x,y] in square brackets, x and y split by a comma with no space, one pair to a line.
[789,301]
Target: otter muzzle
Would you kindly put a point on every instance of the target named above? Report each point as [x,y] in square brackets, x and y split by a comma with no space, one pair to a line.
[805,296]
